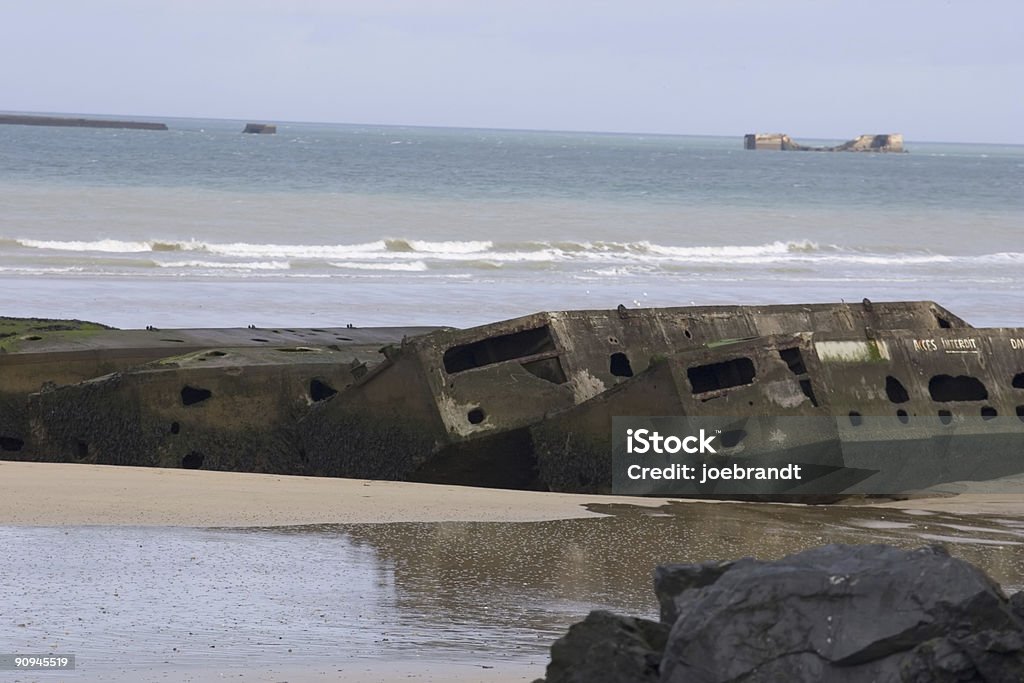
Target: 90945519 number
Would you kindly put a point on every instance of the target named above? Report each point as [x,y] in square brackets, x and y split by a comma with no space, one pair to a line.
[25,662]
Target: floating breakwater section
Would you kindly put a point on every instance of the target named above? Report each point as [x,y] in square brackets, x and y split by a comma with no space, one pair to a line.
[27,120]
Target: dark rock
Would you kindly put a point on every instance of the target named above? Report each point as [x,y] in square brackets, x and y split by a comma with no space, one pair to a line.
[1017,604]
[841,613]
[605,648]
[995,657]
[673,584]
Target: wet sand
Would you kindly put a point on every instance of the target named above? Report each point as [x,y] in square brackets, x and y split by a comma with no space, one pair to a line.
[54,494]
[156,575]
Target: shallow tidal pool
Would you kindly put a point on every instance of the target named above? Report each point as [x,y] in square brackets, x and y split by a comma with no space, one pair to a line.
[152,599]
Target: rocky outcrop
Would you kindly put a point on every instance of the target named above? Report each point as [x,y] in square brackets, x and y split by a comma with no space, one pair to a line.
[848,614]
[674,580]
[583,654]
[1017,604]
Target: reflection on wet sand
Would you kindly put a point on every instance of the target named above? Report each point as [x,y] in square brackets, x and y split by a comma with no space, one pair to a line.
[545,570]
[484,592]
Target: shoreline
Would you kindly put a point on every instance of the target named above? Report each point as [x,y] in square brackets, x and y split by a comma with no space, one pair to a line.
[70,494]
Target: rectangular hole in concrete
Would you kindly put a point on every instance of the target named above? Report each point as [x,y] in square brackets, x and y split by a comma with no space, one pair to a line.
[717,376]
[498,349]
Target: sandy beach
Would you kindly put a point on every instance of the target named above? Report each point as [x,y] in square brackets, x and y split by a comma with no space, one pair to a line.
[55,494]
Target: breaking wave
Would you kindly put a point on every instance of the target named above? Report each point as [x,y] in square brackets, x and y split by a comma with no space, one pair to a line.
[202,265]
[105,246]
[412,267]
[412,255]
[410,248]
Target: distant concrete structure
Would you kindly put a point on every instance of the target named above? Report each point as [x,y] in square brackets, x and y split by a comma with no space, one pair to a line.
[260,128]
[27,120]
[890,142]
[776,141]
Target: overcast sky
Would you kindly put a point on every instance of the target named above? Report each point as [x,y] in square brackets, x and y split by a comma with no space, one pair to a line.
[931,69]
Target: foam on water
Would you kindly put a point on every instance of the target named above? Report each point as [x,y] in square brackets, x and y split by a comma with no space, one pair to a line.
[411,267]
[202,265]
[107,246]
[638,253]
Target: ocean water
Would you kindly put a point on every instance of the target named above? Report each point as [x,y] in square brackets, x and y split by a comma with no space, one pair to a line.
[329,224]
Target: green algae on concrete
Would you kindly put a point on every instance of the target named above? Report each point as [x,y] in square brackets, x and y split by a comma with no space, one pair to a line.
[216,398]
[20,333]
[222,409]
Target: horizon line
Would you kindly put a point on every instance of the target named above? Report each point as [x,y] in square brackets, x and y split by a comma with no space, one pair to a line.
[480,128]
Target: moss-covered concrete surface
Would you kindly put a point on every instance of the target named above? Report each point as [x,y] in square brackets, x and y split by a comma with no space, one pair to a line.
[22,333]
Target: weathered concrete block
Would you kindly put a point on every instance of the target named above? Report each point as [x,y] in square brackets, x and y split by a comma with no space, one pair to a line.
[466,397]
[223,409]
[888,142]
[932,396]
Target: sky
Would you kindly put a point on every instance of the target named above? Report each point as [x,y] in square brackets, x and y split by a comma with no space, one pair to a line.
[935,70]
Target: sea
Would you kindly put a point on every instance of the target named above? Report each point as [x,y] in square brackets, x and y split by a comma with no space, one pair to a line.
[332,224]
